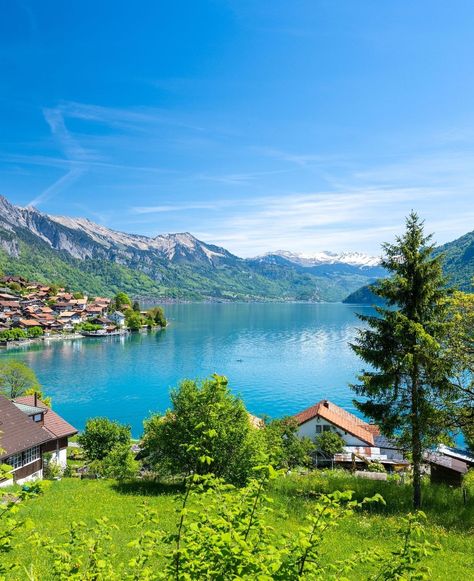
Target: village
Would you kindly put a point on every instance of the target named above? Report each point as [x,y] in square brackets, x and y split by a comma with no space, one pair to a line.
[32,309]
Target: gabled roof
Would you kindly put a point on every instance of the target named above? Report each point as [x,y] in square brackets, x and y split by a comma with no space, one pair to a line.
[339,418]
[18,431]
[53,423]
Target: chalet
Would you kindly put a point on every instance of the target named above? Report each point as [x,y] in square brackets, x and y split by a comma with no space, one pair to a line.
[29,429]
[360,438]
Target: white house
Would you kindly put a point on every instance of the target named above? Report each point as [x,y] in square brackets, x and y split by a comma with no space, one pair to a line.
[359,436]
[118,318]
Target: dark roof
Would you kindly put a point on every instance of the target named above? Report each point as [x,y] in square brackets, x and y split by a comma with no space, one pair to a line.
[54,423]
[18,431]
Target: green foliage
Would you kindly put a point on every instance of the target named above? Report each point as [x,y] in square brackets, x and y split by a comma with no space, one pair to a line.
[136,306]
[119,463]
[407,386]
[376,467]
[157,315]
[285,449]
[206,430]
[121,302]
[34,332]
[101,435]
[51,468]
[329,443]
[468,481]
[87,327]
[16,379]
[15,334]
[133,320]
[10,525]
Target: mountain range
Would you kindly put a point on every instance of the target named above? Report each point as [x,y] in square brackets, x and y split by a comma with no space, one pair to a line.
[90,257]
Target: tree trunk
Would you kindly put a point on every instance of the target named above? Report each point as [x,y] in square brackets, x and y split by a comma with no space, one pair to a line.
[416,441]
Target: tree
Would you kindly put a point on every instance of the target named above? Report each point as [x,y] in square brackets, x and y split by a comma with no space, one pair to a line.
[461,349]
[329,443]
[121,302]
[101,435]
[284,447]
[157,314]
[407,387]
[206,430]
[119,463]
[34,332]
[133,320]
[16,379]
[136,306]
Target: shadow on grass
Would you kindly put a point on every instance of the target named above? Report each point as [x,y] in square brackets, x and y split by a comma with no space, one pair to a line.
[148,487]
[444,505]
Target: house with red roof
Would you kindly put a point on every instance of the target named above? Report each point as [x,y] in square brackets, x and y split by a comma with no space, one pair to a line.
[360,437]
[29,430]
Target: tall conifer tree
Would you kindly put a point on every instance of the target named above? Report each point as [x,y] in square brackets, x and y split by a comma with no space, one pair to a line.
[408,383]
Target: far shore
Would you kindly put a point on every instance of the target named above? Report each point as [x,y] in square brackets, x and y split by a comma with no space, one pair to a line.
[64,337]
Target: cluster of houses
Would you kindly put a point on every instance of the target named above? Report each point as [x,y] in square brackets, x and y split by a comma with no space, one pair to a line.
[29,430]
[51,309]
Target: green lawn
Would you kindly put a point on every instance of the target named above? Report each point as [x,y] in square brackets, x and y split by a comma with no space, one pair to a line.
[74,500]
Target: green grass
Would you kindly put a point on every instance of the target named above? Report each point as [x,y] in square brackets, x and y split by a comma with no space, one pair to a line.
[84,500]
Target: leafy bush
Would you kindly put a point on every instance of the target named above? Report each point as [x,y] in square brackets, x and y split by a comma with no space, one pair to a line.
[101,435]
[376,467]
[284,448]
[34,332]
[329,443]
[206,430]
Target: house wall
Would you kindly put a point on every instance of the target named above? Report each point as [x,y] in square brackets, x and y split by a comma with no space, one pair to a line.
[308,430]
[31,471]
[58,449]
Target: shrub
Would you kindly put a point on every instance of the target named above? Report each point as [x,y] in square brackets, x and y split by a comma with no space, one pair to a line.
[206,430]
[329,443]
[100,436]
[376,467]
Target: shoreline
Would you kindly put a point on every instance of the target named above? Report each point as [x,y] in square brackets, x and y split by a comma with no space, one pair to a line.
[66,337]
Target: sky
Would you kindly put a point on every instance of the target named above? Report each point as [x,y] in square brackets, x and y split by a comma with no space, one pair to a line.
[256,125]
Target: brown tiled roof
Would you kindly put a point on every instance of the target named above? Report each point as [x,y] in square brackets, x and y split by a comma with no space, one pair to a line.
[18,431]
[29,322]
[54,423]
[339,418]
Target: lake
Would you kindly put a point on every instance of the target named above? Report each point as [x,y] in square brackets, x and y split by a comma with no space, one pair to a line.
[280,358]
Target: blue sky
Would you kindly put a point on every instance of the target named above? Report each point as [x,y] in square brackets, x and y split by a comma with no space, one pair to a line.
[256,125]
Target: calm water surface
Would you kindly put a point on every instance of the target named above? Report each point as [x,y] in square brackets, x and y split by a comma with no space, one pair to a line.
[280,358]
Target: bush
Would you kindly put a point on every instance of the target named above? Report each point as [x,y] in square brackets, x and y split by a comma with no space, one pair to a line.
[34,332]
[206,430]
[100,436]
[376,467]
[285,449]
[329,443]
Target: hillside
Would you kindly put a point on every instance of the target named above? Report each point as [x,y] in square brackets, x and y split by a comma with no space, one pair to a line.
[458,266]
[95,259]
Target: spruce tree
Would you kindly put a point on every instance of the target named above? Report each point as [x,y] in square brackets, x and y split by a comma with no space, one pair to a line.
[407,386]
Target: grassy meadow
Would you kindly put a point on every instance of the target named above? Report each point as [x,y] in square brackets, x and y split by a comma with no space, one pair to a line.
[450,522]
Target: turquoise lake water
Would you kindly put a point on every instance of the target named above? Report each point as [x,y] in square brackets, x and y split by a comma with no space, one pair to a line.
[280,358]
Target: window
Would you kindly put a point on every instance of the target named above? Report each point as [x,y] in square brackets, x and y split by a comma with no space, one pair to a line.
[326,428]
[15,461]
[38,417]
[319,429]
[31,455]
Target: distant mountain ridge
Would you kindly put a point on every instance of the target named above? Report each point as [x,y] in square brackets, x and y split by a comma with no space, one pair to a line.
[91,257]
[458,267]
[357,259]
[88,256]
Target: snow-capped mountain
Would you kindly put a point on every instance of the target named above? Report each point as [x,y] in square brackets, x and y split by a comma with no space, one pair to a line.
[357,259]
[93,258]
